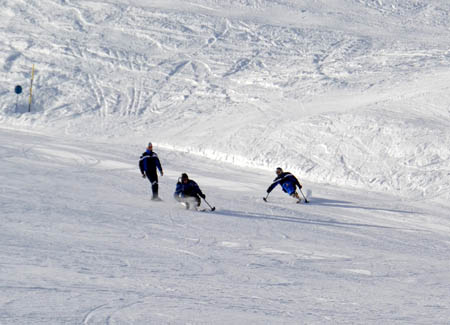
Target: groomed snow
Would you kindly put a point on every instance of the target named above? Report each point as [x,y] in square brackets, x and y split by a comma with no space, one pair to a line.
[352,93]
[82,244]
[353,96]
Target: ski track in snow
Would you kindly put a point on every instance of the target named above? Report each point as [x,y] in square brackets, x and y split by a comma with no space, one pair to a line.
[351,95]
[81,243]
[357,99]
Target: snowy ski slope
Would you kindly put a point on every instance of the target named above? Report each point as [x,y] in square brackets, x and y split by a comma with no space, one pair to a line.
[81,244]
[350,95]
[353,93]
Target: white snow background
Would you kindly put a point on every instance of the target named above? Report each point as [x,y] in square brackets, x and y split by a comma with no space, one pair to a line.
[353,96]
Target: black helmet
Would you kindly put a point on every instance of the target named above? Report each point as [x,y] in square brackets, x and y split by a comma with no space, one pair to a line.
[184,176]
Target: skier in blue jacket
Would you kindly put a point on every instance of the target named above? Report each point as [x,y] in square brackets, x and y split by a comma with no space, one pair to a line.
[148,163]
[288,183]
[188,191]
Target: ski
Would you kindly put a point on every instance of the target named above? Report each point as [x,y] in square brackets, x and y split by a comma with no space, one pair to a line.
[187,207]
[206,210]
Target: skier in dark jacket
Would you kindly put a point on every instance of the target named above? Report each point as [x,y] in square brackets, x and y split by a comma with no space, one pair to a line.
[188,191]
[288,183]
[148,163]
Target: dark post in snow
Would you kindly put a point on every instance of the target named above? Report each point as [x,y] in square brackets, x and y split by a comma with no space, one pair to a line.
[18,91]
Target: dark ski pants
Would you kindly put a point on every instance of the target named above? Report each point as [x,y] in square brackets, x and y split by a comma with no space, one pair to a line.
[153,178]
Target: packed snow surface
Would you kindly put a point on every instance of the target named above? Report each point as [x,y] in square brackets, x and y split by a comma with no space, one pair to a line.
[346,92]
[353,96]
[82,244]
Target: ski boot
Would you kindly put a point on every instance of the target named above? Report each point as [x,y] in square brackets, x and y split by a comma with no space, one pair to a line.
[297,197]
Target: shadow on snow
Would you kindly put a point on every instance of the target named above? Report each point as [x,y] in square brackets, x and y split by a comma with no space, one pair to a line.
[310,221]
[261,216]
[350,205]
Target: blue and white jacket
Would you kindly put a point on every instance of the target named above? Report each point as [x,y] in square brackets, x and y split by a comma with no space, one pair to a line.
[283,178]
[191,188]
[148,162]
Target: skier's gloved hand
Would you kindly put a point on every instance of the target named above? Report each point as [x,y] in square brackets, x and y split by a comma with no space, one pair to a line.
[301,186]
[162,173]
[203,196]
[143,175]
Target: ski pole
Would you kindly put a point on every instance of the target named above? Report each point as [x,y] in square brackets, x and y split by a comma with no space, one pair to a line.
[212,208]
[265,198]
[306,201]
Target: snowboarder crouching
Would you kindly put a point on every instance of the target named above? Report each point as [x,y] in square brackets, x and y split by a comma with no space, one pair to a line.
[188,191]
[288,183]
